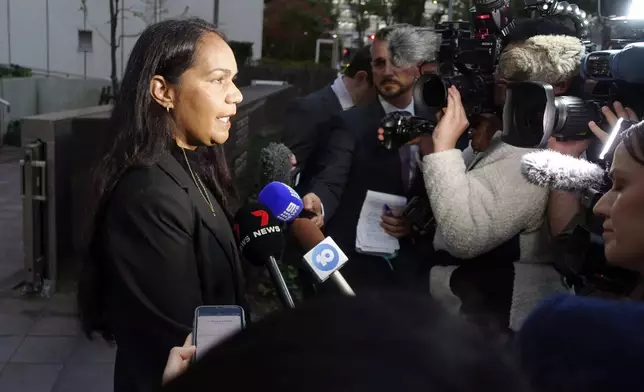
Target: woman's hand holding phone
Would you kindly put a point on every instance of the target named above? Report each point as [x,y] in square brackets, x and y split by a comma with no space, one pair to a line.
[178,360]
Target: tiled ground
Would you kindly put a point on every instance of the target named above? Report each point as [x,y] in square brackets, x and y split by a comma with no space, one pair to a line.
[41,349]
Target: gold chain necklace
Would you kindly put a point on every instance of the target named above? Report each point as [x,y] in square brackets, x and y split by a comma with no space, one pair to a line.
[200,186]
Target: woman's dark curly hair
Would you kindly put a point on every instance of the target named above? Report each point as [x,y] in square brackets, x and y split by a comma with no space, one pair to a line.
[142,134]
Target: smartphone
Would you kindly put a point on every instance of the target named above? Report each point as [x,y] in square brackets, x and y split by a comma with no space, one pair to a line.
[214,324]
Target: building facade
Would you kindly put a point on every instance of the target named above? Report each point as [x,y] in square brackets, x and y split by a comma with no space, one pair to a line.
[71,37]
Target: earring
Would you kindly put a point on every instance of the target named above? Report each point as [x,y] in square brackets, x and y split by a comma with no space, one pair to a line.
[167,109]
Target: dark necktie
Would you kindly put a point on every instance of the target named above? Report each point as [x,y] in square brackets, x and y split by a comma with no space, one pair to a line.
[405,160]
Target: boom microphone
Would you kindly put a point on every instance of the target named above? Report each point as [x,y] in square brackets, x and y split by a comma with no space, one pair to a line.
[261,240]
[276,165]
[282,200]
[551,169]
[323,256]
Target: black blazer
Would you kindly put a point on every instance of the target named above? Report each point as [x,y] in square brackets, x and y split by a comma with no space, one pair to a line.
[165,254]
[355,163]
[304,130]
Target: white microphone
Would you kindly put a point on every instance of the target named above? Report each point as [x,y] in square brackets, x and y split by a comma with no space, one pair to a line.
[551,169]
[324,257]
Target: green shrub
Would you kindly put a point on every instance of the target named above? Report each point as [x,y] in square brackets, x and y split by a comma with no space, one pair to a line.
[14,71]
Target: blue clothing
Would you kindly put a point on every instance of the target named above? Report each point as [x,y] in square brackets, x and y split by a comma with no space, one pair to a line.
[584,344]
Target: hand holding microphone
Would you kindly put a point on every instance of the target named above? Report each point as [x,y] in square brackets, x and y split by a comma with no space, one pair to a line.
[313,203]
[324,257]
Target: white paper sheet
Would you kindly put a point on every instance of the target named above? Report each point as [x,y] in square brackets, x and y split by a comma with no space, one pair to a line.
[370,236]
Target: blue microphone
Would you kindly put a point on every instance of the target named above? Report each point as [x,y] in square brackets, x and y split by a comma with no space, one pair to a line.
[282,200]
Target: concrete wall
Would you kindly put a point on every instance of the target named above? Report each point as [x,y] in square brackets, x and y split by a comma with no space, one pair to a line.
[38,95]
[43,34]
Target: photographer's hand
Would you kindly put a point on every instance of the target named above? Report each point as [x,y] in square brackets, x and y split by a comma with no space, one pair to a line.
[452,124]
[620,112]
[563,206]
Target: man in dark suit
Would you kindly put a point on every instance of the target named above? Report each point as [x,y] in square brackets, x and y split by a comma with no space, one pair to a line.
[354,163]
[304,134]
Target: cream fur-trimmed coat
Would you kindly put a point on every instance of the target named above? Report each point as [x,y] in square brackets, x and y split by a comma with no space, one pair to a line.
[480,209]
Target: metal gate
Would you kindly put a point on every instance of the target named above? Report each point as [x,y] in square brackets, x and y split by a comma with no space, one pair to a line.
[34,208]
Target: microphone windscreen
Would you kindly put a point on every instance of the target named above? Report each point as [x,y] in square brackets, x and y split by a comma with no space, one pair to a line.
[308,235]
[282,200]
[551,169]
[275,164]
[258,232]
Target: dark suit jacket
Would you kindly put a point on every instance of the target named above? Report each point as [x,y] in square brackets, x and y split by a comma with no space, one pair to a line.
[355,163]
[165,254]
[305,130]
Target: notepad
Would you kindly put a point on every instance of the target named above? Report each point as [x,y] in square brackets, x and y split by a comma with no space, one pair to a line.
[371,238]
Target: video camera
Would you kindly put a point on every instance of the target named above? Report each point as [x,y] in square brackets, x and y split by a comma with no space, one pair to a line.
[469,54]
[469,58]
[533,114]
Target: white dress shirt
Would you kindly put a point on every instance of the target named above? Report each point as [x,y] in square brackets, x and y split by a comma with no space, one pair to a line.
[342,93]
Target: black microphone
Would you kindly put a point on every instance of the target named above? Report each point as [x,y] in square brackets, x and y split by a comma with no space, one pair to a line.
[261,240]
[400,128]
[276,165]
[551,169]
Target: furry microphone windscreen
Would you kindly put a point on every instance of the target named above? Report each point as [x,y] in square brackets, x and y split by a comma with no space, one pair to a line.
[549,59]
[551,169]
[409,45]
[275,164]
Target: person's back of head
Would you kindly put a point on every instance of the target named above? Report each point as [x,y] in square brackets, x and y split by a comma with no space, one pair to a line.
[375,342]
[543,50]
[360,74]
[581,344]
[528,28]
[360,62]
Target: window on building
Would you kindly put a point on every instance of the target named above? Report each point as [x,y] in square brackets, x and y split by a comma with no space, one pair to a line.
[85,41]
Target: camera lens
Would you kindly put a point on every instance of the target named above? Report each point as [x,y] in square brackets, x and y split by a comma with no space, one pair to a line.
[431,89]
[435,92]
[572,117]
[526,119]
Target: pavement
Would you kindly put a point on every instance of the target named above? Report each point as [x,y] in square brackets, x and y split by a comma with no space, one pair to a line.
[41,347]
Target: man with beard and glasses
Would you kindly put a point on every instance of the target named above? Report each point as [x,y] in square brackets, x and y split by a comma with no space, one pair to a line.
[354,163]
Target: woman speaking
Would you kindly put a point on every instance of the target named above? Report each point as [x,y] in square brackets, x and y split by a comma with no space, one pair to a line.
[162,241]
